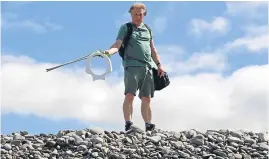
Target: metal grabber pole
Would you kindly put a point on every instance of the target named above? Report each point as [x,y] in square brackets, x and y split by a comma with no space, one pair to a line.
[88,69]
[79,59]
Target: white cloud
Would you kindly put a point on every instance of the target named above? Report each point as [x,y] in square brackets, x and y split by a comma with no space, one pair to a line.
[201,101]
[255,30]
[219,25]
[9,15]
[251,10]
[165,16]
[17,4]
[255,40]
[202,62]
[174,60]
[12,21]
[253,44]
[124,19]
[170,52]
[160,24]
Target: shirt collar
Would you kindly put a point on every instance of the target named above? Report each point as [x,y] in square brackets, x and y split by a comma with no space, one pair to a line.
[140,26]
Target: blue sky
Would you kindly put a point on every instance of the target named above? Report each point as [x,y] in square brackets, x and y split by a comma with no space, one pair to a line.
[208,48]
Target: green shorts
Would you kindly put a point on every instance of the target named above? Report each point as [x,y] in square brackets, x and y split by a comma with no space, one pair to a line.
[139,78]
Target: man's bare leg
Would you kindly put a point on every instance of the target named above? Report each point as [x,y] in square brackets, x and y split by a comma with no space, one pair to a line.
[146,112]
[128,108]
[146,109]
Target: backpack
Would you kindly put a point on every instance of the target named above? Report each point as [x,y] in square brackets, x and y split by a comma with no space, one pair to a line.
[159,82]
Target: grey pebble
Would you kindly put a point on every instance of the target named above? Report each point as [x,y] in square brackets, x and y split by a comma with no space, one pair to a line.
[97,131]
[98,143]
[198,140]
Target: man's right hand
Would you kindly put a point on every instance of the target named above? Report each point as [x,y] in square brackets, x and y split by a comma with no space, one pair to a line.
[113,49]
[104,52]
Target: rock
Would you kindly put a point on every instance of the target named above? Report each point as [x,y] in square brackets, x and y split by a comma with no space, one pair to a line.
[97,131]
[250,141]
[23,133]
[82,148]
[263,146]
[7,147]
[16,142]
[95,154]
[238,156]
[263,137]
[18,136]
[177,144]
[100,144]
[191,134]
[220,153]
[77,139]
[97,139]
[137,129]
[80,132]
[155,139]
[236,134]
[198,140]
[235,139]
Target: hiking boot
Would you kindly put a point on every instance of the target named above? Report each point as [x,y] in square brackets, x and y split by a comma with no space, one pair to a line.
[150,127]
[128,126]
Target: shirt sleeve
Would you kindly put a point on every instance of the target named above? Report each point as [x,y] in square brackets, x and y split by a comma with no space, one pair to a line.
[122,32]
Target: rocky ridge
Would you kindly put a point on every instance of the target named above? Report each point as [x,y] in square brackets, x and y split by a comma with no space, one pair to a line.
[158,144]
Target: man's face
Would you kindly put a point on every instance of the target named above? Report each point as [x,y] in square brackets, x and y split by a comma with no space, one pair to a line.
[138,15]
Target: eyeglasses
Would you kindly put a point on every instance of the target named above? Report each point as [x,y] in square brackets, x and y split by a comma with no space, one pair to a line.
[138,14]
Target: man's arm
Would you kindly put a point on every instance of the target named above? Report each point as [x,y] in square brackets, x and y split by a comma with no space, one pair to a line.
[119,40]
[154,53]
[115,47]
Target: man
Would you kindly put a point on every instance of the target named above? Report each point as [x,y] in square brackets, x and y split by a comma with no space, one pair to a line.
[137,66]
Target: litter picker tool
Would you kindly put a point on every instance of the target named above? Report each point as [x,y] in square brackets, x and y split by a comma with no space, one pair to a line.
[88,64]
[79,59]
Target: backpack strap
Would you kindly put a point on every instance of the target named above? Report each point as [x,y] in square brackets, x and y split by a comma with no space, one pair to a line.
[129,33]
[126,39]
[149,31]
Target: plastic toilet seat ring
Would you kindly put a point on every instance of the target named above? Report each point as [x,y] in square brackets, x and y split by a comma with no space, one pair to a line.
[89,70]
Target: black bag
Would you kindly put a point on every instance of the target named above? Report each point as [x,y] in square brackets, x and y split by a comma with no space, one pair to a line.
[159,82]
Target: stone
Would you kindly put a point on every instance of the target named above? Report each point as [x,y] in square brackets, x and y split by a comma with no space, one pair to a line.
[100,144]
[198,140]
[97,131]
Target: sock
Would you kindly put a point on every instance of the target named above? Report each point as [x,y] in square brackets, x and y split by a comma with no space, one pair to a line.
[147,124]
[128,122]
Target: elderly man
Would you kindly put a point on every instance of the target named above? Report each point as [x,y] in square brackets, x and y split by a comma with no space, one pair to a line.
[137,64]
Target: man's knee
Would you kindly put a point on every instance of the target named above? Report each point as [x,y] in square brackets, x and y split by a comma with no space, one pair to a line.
[129,97]
[146,99]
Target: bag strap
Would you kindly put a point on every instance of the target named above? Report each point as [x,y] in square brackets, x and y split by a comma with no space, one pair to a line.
[149,31]
[128,35]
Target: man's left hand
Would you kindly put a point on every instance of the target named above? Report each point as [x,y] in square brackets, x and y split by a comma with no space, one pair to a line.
[160,70]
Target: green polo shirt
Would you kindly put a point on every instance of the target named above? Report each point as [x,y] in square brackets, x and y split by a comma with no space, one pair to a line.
[138,46]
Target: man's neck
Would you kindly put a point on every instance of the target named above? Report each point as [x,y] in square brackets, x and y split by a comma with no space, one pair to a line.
[137,24]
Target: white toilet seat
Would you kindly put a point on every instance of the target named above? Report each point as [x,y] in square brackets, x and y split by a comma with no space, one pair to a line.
[89,70]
